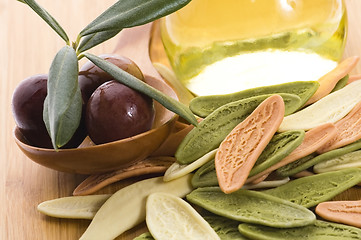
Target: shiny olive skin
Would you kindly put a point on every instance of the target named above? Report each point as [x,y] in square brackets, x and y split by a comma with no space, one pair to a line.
[91,76]
[115,112]
[27,107]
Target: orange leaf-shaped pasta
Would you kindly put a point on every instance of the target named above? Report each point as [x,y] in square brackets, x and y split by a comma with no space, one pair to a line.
[240,149]
[348,130]
[347,212]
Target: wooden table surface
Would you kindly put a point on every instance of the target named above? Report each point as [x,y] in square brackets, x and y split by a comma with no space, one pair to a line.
[27,47]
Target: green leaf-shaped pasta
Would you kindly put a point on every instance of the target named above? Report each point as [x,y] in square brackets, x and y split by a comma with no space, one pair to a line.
[205,176]
[144,236]
[63,104]
[204,105]
[320,230]
[341,83]
[226,228]
[280,146]
[312,190]
[252,207]
[130,13]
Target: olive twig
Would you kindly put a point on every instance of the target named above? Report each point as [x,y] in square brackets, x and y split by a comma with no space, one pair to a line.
[80,56]
[63,104]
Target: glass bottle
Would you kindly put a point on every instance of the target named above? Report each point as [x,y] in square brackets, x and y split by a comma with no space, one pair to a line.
[223,46]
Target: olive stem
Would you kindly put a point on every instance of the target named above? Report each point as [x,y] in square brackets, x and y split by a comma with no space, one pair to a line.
[76,47]
[80,56]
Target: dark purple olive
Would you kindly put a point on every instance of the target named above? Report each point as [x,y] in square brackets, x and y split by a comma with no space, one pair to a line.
[91,76]
[115,112]
[27,107]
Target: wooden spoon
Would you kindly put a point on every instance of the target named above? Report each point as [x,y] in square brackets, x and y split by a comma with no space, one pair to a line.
[134,43]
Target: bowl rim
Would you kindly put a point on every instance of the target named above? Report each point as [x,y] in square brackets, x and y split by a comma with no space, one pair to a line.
[135,137]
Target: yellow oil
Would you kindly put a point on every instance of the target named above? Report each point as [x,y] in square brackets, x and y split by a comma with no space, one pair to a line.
[222,46]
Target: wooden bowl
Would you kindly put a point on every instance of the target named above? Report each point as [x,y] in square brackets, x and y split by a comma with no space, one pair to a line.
[94,159]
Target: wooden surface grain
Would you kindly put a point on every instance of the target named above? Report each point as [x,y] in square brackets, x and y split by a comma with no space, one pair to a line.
[27,47]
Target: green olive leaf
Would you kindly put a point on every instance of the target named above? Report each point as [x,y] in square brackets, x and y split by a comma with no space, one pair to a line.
[63,104]
[130,13]
[95,39]
[47,18]
[136,84]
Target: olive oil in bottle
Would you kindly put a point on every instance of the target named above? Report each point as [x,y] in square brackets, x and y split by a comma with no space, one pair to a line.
[218,47]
